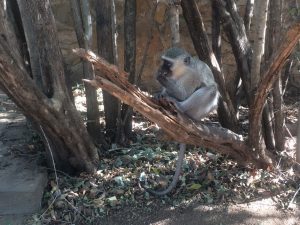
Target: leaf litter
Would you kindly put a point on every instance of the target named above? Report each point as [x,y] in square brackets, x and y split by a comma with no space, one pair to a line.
[206,177]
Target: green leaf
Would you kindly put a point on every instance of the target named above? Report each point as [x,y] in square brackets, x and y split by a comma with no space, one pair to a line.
[155,170]
[194,186]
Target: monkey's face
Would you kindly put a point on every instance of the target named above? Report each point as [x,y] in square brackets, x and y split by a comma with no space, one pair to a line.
[173,68]
[164,72]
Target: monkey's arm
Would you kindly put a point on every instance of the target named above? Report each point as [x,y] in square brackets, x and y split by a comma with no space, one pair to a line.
[172,88]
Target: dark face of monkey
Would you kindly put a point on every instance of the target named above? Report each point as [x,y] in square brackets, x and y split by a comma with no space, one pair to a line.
[172,68]
[165,69]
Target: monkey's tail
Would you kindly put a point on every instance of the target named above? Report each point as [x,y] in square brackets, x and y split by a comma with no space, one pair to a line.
[175,177]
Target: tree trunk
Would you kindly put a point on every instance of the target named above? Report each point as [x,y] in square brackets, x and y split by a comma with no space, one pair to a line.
[106,40]
[216,48]
[83,28]
[129,59]
[260,15]
[260,23]
[51,108]
[274,31]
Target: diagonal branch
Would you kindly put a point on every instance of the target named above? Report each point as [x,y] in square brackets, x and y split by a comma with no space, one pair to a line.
[179,127]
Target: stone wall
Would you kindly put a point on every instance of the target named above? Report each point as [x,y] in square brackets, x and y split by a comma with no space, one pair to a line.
[160,37]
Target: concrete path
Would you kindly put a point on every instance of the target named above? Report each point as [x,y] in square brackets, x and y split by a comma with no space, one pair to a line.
[22,182]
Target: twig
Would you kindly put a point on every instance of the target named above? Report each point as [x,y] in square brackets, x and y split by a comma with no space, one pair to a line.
[292,200]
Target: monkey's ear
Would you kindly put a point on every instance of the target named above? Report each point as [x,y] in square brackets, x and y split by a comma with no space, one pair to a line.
[187,60]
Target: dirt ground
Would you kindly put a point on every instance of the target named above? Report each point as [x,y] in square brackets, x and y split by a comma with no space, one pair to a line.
[261,212]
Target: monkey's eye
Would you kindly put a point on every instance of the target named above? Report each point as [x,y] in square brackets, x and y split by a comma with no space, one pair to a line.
[187,60]
[168,64]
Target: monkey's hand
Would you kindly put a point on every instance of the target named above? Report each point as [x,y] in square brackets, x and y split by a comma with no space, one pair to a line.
[171,103]
[165,101]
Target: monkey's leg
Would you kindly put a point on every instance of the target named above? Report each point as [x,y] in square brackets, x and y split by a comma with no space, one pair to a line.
[200,103]
[176,175]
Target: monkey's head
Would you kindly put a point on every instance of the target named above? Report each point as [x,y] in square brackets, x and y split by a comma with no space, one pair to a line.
[175,63]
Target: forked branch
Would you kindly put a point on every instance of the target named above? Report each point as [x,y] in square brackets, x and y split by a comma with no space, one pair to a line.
[268,79]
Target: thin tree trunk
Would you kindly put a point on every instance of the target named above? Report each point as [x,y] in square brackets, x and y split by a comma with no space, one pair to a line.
[130,60]
[174,23]
[216,34]
[260,23]
[275,29]
[260,15]
[286,74]
[216,48]
[278,116]
[106,40]
[268,128]
[83,28]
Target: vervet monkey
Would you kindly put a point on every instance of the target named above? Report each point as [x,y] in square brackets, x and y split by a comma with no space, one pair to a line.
[189,84]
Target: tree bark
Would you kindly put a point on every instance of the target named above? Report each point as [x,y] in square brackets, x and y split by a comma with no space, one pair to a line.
[267,126]
[106,40]
[260,15]
[176,125]
[248,15]
[53,111]
[216,34]
[130,60]
[174,22]
[196,27]
[260,25]
[274,31]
